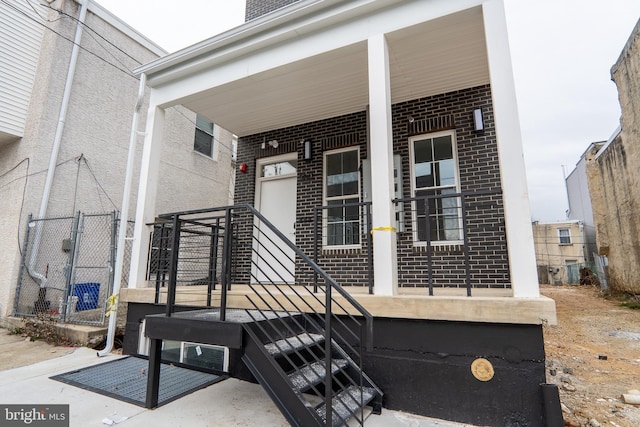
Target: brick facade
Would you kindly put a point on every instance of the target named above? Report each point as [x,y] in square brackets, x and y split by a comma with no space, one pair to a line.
[256,8]
[479,170]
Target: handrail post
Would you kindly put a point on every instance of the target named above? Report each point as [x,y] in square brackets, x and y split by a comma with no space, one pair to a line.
[315,247]
[173,266]
[226,263]
[429,248]
[369,222]
[465,241]
[328,392]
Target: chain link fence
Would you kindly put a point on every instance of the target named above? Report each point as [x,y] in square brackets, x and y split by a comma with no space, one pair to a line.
[68,266]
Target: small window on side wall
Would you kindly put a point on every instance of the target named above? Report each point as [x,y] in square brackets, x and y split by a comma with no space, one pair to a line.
[203,141]
[564,236]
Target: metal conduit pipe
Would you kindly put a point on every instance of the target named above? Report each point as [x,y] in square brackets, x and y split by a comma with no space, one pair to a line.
[55,149]
[124,213]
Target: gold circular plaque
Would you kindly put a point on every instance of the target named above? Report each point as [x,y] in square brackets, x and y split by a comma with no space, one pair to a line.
[482,369]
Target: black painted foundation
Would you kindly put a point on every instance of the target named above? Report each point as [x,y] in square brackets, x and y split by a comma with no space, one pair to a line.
[424,367]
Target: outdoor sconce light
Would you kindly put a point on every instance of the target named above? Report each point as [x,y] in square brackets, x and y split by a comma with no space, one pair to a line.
[307,150]
[478,124]
[273,143]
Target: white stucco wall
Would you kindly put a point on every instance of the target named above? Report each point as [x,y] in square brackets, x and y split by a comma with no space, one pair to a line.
[97,131]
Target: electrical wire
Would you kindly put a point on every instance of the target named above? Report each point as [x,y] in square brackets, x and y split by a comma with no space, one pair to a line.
[86,162]
[35,173]
[24,192]
[177,109]
[138,62]
[85,25]
[35,11]
[75,191]
[127,72]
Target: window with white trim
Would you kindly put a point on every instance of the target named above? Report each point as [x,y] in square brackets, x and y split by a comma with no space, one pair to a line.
[564,236]
[434,175]
[342,193]
[204,141]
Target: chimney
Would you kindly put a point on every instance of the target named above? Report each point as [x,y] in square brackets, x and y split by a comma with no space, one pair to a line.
[256,8]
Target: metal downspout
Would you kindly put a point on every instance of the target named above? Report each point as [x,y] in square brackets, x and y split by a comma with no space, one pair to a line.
[55,149]
[124,213]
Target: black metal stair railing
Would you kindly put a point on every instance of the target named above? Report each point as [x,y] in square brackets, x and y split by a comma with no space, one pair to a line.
[275,290]
[291,300]
[359,232]
[471,222]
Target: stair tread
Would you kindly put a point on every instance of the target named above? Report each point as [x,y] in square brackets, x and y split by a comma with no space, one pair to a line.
[345,403]
[293,343]
[314,373]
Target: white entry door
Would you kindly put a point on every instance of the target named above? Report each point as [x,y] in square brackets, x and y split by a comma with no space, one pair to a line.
[274,262]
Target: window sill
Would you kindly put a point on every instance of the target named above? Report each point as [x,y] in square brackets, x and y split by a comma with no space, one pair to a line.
[342,250]
[452,246]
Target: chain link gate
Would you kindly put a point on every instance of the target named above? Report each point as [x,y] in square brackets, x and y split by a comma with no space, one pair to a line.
[67,268]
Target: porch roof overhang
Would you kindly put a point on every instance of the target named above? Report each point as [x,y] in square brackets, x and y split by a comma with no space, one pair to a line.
[309,61]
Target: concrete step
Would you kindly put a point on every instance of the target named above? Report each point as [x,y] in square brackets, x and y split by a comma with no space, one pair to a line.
[77,334]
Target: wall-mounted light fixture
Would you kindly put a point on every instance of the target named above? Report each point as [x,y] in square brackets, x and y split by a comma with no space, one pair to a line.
[478,124]
[307,150]
[273,143]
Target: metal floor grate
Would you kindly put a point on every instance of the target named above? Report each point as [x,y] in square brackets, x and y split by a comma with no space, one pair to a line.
[126,379]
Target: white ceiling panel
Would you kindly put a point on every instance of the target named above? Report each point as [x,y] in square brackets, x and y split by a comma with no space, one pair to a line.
[434,57]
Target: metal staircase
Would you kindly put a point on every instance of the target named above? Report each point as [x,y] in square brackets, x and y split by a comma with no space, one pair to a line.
[289,355]
[302,321]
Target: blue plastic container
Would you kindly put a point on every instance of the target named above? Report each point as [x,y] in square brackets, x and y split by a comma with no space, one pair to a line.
[88,294]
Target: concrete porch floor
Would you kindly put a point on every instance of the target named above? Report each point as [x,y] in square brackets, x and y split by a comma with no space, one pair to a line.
[485,305]
[228,403]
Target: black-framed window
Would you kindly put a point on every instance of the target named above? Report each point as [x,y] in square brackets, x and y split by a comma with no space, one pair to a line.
[342,194]
[434,176]
[204,141]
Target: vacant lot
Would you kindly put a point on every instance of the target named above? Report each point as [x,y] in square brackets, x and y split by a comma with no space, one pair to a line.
[593,354]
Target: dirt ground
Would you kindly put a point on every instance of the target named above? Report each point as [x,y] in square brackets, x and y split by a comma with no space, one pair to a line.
[593,355]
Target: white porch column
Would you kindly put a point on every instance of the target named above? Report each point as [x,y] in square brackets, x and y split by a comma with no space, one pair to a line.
[147,189]
[385,267]
[522,260]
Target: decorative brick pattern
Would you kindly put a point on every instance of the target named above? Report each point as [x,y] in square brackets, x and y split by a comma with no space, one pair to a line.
[256,8]
[479,170]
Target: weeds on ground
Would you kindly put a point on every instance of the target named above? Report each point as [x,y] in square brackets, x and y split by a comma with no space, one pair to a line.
[42,327]
[633,304]
[624,299]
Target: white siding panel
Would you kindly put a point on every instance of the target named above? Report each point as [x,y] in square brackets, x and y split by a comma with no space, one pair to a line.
[21,33]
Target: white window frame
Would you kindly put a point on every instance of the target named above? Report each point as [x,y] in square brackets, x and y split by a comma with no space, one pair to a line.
[454,151]
[212,135]
[326,200]
[560,236]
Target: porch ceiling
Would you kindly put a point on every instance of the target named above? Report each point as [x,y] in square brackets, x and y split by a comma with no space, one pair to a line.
[437,56]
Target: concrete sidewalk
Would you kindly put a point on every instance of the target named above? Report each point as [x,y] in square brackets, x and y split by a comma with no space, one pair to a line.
[227,403]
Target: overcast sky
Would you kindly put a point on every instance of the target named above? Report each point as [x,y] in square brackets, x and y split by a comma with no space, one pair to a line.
[562,52]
